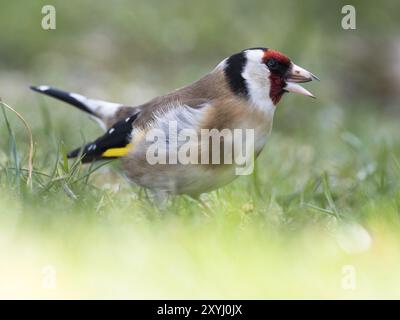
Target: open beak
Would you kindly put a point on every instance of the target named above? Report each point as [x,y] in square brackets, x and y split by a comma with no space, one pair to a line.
[297,75]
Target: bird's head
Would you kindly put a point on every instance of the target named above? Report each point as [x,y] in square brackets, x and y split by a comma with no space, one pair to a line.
[263,75]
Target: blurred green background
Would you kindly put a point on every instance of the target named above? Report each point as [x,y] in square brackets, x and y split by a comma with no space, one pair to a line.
[325,193]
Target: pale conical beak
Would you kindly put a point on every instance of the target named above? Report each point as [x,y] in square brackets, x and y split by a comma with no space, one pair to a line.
[297,75]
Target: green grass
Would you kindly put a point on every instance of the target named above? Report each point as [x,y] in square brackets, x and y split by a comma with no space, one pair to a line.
[280,233]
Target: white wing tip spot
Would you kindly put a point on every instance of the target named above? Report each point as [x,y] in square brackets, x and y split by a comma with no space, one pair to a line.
[111,131]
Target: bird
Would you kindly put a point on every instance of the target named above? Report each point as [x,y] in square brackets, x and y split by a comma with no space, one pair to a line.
[241,93]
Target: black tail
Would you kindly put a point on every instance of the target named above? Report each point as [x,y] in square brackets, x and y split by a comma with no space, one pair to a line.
[71,98]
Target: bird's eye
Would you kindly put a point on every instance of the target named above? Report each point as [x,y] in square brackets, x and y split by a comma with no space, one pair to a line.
[272,64]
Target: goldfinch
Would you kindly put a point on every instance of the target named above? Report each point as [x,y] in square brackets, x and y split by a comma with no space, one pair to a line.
[241,92]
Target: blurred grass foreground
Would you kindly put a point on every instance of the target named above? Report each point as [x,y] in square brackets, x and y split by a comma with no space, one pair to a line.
[319,218]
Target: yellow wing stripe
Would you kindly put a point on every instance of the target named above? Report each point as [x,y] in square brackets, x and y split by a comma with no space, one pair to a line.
[116,152]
